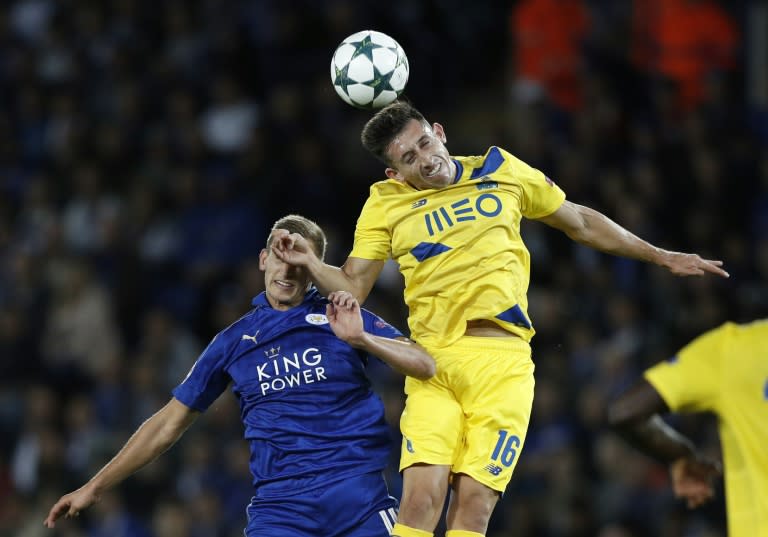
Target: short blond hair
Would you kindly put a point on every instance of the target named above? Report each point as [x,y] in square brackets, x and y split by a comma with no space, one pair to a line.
[305,227]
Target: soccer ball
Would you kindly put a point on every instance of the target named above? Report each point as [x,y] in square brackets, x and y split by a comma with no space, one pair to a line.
[369,69]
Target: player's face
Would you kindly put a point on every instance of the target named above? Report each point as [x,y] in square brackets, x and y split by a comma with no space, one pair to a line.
[285,285]
[419,157]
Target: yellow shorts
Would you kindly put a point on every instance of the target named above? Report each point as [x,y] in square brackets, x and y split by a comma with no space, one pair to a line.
[474,413]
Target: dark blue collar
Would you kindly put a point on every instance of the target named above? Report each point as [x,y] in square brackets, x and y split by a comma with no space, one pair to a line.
[459,171]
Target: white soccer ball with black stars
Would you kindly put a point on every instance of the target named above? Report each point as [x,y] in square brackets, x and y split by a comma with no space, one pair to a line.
[369,69]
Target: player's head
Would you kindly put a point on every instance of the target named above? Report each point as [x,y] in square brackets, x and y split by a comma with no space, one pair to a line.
[286,285]
[413,150]
[305,227]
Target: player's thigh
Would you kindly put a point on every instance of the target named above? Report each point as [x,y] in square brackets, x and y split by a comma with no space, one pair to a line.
[498,410]
[377,524]
[338,509]
[432,423]
[288,516]
[359,506]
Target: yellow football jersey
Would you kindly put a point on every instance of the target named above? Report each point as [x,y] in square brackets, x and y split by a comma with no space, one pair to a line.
[459,247]
[725,371]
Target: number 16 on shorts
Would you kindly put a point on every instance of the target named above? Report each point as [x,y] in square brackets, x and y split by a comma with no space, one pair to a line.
[506,448]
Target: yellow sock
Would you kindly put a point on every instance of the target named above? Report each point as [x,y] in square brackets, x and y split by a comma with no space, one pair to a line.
[404,531]
[462,533]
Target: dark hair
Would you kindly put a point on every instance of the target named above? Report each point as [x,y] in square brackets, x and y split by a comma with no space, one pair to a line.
[305,227]
[387,123]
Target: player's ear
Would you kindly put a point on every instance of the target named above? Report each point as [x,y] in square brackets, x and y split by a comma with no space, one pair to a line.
[263,259]
[392,173]
[439,131]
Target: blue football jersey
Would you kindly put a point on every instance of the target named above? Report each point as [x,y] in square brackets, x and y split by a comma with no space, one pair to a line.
[308,408]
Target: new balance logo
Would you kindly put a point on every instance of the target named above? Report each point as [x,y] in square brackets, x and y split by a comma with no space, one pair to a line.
[420,203]
[493,469]
[252,338]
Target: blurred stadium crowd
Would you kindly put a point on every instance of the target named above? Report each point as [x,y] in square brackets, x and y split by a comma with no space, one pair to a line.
[147,147]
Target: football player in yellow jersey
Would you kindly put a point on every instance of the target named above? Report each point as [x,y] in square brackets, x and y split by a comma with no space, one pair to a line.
[724,371]
[453,226]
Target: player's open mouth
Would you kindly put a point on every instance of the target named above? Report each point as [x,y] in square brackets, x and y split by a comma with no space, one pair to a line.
[435,170]
[284,284]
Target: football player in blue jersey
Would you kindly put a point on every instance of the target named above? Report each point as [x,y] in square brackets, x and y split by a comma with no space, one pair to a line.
[318,439]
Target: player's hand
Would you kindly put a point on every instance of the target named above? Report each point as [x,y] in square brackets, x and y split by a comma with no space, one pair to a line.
[692,479]
[291,248]
[70,505]
[681,264]
[344,316]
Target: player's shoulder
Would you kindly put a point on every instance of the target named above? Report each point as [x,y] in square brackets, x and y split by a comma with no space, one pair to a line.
[387,187]
[240,326]
[494,153]
[725,331]
[378,324]
[495,159]
[756,326]
[368,314]
[227,339]
[754,332]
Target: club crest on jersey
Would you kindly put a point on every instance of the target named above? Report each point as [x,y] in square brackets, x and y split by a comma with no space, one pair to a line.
[421,203]
[316,318]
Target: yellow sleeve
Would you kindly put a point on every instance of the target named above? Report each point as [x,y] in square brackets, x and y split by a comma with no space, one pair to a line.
[372,237]
[540,195]
[691,380]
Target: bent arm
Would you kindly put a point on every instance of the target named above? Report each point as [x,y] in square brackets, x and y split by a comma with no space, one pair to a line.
[401,354]
[591,228]
[635,416]
[149,441]
[356,275]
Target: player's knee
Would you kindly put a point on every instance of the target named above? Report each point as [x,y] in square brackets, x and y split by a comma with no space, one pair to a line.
[473,509]
[420,504]
[476,515]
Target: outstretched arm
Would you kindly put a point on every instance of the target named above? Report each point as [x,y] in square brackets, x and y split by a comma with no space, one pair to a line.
[635,415]
[403,355]
[356,275]
[150,440]
[591,228]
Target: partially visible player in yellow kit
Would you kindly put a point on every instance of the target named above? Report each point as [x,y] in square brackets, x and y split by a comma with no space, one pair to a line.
[453,226]
[724,371]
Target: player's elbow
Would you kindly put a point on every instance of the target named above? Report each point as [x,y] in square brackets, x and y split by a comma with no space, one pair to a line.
[635,406]
[620,415]
[425,369]
[430,369]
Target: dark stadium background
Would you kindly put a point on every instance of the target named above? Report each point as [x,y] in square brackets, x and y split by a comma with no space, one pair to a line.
[146,148]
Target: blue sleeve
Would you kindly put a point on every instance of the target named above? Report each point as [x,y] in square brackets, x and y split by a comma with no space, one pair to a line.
[373,324]
[207,378]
